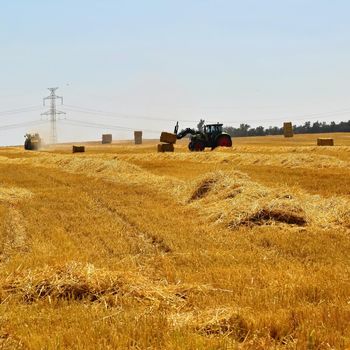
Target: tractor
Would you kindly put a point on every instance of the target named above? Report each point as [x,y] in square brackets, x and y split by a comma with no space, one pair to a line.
[212,136]
[32,142]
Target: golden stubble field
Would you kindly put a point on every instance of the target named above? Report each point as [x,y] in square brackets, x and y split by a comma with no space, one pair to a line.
[125,248]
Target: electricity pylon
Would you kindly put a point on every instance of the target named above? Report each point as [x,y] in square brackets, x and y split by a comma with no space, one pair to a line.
[53,112]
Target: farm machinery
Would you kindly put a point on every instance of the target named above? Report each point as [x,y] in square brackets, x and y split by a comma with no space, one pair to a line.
[212,136]
[32,142]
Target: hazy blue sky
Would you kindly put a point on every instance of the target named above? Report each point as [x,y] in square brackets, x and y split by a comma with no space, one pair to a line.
[254,61]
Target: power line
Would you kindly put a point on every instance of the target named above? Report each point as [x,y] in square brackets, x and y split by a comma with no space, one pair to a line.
[98,112]
[83,123]
[312,116]
[21,125]
[19,110]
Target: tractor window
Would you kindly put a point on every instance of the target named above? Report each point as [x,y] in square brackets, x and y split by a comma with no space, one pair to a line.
[213,129]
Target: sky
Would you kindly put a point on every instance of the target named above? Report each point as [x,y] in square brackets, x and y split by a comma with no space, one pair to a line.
[124,65]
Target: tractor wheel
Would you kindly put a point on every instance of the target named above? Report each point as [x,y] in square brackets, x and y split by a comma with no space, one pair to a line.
[223,141]
[198,146]
[190,146]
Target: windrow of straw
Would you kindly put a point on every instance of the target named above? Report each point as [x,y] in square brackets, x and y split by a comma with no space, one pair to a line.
[111,169]
[76,281]
[233,199]
[236,156]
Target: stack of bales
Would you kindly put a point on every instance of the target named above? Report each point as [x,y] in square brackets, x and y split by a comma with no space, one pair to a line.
[78,149]
[167,140]
[138,137]
[325,142]
[106,138]
[288,129]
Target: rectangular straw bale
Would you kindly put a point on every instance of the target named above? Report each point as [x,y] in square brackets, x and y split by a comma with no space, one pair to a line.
[288,129]
[167,137]
[325,142]
[78,149]
[106,138]
[138,137]
[165,147]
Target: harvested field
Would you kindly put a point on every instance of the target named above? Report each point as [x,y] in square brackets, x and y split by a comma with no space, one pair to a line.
[122,247]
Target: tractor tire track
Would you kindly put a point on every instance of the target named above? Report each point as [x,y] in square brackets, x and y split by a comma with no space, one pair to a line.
[148,242]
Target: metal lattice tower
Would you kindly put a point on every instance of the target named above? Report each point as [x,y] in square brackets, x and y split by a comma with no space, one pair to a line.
[53,112]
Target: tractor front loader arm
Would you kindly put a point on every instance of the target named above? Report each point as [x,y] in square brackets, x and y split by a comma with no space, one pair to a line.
[185,132]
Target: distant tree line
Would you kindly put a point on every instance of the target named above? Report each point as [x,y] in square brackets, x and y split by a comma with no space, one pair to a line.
[307,128]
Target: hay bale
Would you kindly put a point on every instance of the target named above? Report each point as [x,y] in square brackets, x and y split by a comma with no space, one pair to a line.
[288,129]
[325,142]
[168,137]
[138,137]
[78,149]
[165,147]
[106,138]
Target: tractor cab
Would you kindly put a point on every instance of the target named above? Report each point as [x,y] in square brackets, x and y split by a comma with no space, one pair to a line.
[213,129]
